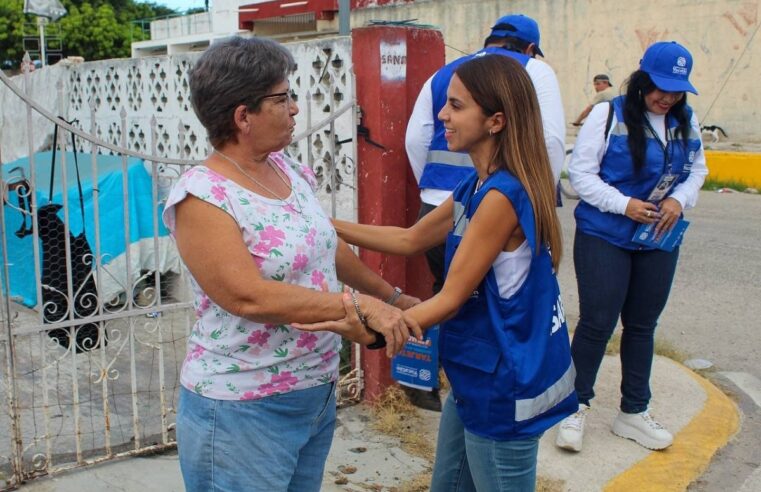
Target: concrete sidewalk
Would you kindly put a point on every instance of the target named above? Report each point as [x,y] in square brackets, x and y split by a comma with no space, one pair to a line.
[701,417]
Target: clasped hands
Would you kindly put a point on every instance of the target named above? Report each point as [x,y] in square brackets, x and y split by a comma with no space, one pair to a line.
[664,215]
[390,321]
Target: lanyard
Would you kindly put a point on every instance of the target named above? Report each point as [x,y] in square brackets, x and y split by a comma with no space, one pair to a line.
[668,150]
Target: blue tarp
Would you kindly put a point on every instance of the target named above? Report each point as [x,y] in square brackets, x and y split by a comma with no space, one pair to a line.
[111,211]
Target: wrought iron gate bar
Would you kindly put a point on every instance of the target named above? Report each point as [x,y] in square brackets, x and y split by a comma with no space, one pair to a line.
[134,312]
[69,405]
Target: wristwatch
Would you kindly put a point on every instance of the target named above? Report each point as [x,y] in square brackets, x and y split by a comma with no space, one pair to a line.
[397,292]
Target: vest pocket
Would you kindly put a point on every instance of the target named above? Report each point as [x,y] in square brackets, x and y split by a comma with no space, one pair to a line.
[471,365]
[471,352]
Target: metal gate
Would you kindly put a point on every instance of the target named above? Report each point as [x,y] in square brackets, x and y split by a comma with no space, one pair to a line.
[91,347]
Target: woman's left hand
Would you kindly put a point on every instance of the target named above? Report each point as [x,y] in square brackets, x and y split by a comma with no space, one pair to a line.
[670,210]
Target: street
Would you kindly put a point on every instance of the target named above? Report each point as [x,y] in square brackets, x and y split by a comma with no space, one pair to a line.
[713,313]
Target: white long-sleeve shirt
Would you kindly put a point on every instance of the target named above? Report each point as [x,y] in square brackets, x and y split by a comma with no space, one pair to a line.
[420,127]
[591,144]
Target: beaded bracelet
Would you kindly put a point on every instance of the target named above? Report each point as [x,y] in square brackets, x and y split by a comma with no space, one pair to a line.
[380,340]
[361,316]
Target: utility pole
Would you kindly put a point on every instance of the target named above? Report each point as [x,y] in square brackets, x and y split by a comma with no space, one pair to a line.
[344,8]
[46,11]
[41,22]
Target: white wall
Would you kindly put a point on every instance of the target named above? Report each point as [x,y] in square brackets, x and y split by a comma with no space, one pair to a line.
[585,37]
[185,25]
[225,15]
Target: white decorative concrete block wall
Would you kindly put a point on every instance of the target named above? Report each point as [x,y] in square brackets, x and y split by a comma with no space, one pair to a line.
[96,94]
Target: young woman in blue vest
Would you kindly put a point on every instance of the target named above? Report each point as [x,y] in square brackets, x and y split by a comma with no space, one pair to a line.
[503,339]
[638,160]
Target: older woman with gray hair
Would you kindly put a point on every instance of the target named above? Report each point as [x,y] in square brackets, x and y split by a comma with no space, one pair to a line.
[257,402]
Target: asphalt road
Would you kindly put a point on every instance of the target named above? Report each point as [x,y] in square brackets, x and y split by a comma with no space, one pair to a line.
[713,313]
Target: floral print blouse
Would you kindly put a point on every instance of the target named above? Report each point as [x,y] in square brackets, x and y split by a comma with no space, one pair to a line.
[232,358]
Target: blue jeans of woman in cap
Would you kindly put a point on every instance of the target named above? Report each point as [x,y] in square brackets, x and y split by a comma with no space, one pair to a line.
[614,281]
[273,444]
[466,462]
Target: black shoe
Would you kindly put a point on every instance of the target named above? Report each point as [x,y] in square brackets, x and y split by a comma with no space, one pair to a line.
[427,400]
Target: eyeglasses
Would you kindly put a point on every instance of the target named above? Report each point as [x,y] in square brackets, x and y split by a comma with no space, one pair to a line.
[287,98]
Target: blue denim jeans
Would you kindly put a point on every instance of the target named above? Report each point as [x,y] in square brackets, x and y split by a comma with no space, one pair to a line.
[615,282]
[274,444]
[466,462]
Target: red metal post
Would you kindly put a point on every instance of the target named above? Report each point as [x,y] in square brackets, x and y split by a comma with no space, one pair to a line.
[390,63]
[423,60]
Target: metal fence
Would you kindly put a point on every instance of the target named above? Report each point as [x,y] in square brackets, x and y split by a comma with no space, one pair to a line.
[94,308]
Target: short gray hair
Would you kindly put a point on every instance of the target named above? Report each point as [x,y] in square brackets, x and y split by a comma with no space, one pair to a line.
[232,72]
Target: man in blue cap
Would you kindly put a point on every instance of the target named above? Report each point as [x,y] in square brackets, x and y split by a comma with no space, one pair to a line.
[520,28]
[438,171]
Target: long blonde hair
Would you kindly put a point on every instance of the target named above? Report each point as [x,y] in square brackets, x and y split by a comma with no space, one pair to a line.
[500,84]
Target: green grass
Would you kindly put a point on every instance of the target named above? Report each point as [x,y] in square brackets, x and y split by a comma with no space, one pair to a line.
[717,184]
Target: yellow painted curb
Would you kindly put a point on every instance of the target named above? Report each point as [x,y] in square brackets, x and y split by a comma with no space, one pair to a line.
[740,167]
[679,465]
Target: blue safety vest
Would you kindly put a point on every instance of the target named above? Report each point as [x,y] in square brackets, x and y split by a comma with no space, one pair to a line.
[444,169]
[617,170]
[508,360]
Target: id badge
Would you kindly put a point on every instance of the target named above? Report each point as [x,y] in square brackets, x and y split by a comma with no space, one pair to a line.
[662,188]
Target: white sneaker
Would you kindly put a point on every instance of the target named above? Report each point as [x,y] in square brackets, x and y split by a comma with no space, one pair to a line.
[571,430]
[642,429]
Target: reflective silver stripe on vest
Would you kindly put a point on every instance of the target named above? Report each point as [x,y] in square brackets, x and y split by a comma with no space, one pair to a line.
[693,135]
[531,407]
[451,158]
[619,129]
[460,220]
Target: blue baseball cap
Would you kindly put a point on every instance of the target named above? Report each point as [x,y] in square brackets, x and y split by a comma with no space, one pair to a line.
[518,26]
[669,65]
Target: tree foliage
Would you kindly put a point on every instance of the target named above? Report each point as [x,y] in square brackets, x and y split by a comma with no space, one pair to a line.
[11,30]
[93,29]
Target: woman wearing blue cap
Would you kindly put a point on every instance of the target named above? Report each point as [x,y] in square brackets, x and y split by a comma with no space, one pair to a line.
[637,164]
